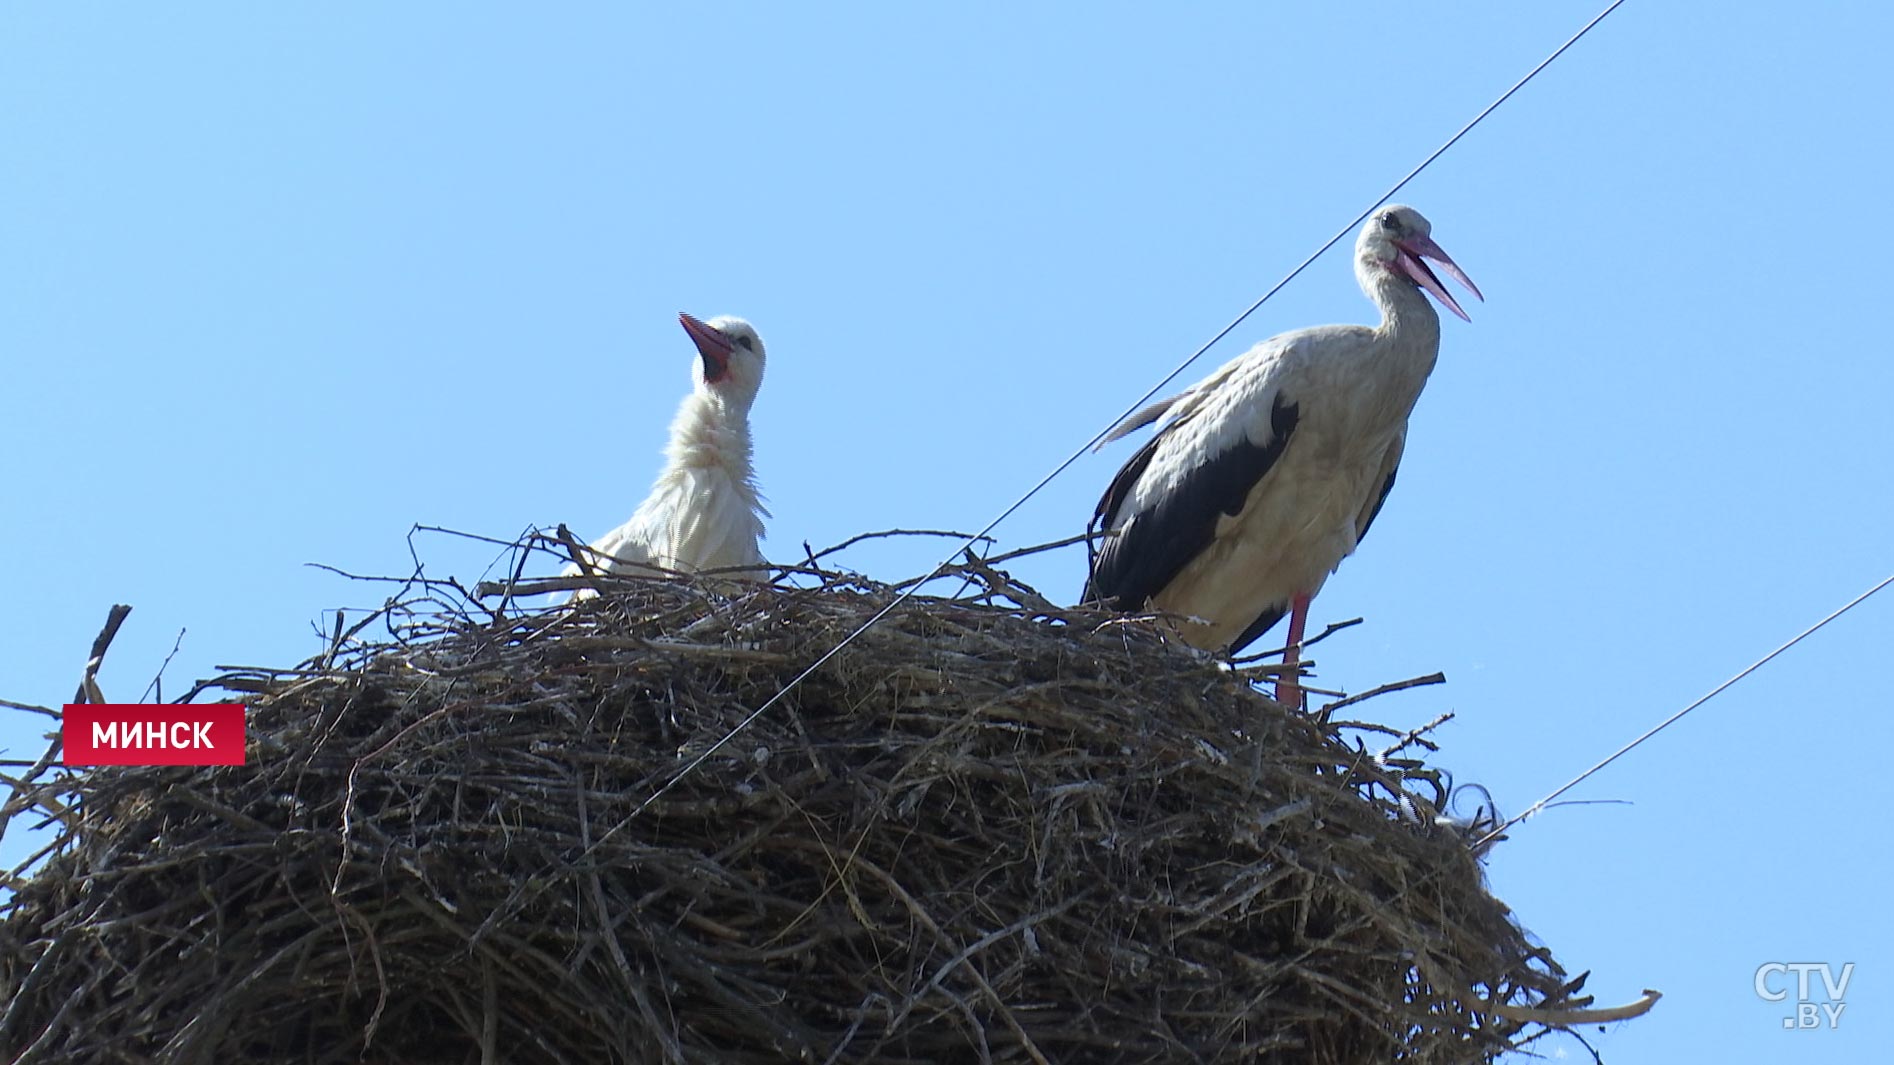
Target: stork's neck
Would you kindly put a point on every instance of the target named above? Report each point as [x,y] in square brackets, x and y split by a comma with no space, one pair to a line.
[710,433]
[1409,323]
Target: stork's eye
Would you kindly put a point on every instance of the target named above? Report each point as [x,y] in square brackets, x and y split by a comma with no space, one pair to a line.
[1387,220]
[746,343]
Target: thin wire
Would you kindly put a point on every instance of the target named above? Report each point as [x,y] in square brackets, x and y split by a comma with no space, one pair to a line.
[875,618]
[1672,719]
[1330,243]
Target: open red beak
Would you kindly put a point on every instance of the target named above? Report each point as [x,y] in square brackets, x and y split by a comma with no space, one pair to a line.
[1413,249]
[712,346]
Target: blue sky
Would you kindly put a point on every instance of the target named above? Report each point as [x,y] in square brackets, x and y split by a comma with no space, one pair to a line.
[283,281]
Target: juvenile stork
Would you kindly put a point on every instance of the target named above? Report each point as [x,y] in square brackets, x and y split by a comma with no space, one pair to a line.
[704,511]
[1264,475]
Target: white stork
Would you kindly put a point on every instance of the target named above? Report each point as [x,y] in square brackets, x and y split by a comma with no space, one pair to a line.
[1264,475]
[704,511]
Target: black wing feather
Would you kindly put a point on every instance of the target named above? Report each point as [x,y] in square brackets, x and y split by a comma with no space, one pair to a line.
[1132,567]
[1263,623]
[1101,581]
[1386,487]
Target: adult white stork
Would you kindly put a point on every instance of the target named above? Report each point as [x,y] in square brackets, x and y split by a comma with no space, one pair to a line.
[1264,475]
[704,512]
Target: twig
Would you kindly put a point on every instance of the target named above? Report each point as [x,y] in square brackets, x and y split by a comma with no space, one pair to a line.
[335,640]
[476,536]
[489,1014]
[1273,669]
[1333,628]
[52,806]
[981,944]
[1039,548]
[1004,584]
[859,537]
[423,581]
[1597,1058]
[1557,1018]
[521,555]
[22,798]
[1413,735]
[157,682]
[580,555]
[1399,685]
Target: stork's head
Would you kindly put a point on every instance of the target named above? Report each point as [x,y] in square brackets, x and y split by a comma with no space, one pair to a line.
[1395,241]
[729,358]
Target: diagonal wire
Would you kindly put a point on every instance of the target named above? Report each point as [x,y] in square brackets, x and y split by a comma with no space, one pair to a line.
[903,597]
[1672,719]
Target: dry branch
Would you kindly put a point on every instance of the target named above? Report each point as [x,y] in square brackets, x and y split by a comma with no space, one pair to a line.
[88,682]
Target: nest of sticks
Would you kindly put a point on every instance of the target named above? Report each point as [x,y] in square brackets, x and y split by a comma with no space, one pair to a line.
[986,829]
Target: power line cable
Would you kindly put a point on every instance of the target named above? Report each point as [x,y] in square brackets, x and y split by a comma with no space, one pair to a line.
[1674,718]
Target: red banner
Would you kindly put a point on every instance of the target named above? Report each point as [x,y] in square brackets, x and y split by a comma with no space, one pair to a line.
[153,734]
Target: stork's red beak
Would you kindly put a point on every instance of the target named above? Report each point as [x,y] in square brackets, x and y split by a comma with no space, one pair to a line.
[712,346]
[1412,250]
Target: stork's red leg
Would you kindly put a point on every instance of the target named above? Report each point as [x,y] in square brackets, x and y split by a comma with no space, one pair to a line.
[1288,692]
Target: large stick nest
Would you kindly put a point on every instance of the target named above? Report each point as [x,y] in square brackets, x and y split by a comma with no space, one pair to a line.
[988,829]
